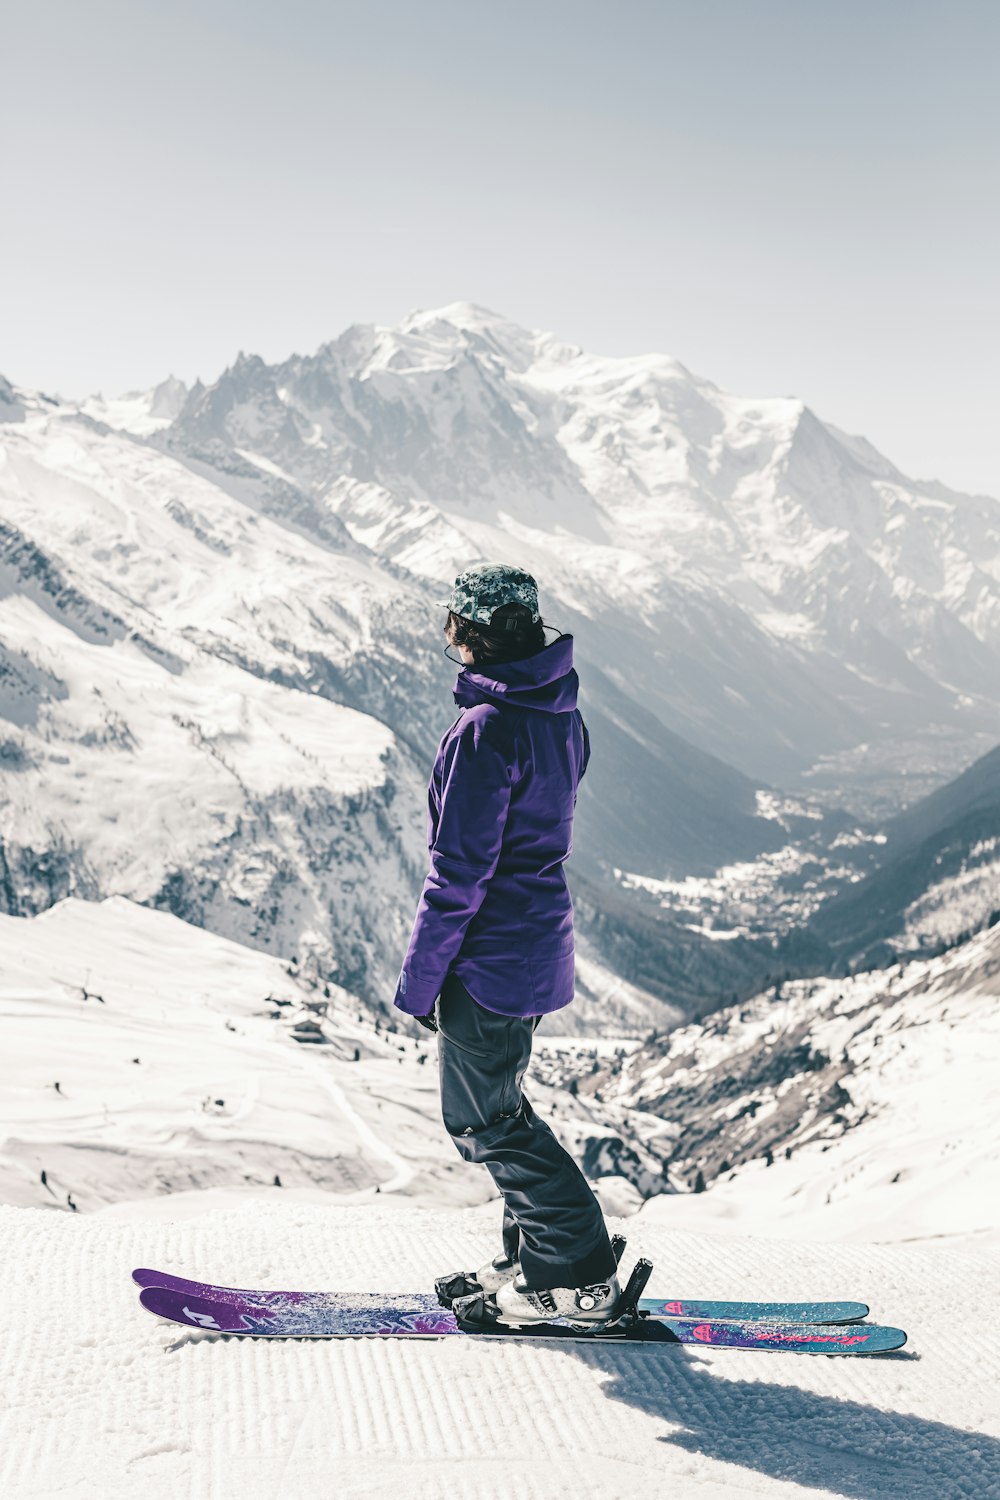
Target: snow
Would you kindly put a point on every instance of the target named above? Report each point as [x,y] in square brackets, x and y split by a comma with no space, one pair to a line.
[189,1096]
[655,503]
[160,642]
[261,462]
[102,1401]
[891,1118]
[954,905]
[185,1072]
[139,412]
[211,738]
[183,1091]
[178,1068]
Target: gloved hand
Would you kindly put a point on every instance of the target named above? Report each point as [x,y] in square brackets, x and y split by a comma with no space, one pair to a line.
[427,1021]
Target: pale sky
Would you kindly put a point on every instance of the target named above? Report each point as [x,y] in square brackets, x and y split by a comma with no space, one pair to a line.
[793,197]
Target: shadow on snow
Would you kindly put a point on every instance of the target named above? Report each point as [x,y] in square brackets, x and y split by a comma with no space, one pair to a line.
[795,1435]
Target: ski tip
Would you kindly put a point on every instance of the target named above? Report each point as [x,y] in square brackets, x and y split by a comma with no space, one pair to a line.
[144,1276]
[888,1340]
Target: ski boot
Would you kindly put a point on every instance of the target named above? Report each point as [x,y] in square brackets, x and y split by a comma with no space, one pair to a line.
[489,1279]
[582,1307]
[604,1308]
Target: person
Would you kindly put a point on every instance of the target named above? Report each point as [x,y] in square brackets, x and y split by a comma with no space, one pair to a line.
[492,945]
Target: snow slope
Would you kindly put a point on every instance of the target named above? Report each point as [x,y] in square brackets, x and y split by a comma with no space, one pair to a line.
[139,412]
[102,1402]
[155,745]
[874,1096]
[183,1091]
[178,1067]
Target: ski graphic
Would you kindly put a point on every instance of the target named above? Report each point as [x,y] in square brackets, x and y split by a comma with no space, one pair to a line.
[654,1307]
[369,1315]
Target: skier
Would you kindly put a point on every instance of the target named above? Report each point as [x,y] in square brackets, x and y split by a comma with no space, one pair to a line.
[491,949]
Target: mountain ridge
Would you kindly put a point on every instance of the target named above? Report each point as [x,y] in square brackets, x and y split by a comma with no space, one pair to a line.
[835,563]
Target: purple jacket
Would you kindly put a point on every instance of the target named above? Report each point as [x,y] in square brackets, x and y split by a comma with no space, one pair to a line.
[495,906]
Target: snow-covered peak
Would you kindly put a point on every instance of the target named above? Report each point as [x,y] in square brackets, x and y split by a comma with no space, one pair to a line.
[731,539]
[139,412]
[11,406]
[472,316]
[437,338]
[168,398]
[19,404]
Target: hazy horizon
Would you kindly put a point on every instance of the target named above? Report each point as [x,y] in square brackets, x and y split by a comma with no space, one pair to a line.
[790,200]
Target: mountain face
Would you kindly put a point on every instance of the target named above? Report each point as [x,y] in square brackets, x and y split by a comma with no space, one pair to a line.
[770,588]
[830,1091]
[184,718]
[140,412]
[935,875]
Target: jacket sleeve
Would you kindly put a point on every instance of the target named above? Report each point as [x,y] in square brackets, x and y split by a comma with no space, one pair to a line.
[475,798]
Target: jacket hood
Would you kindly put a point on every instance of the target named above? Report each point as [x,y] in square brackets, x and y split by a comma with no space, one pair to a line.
[546,681]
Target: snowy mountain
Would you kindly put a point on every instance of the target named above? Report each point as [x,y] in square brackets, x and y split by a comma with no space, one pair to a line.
[936,875]
[142,755]
[178,635]
[221,600]
[782,595]
[139,412]
[859,1108]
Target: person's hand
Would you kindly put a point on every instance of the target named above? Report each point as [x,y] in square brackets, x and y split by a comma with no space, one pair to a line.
[427,1021]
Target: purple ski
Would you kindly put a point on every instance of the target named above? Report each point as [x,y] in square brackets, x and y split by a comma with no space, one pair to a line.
[654,1307]
[370,1315]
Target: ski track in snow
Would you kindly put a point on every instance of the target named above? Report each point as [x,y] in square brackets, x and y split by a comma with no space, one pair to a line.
[402,1173]
[100,1400]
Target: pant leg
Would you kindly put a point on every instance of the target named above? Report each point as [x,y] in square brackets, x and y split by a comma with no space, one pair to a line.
[510,1233]
[482,1059]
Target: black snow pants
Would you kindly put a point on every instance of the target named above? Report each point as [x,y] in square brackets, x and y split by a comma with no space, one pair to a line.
[552,1221]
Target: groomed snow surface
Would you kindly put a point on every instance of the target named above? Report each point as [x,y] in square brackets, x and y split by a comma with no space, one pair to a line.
[102,1400]
[182,1091]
